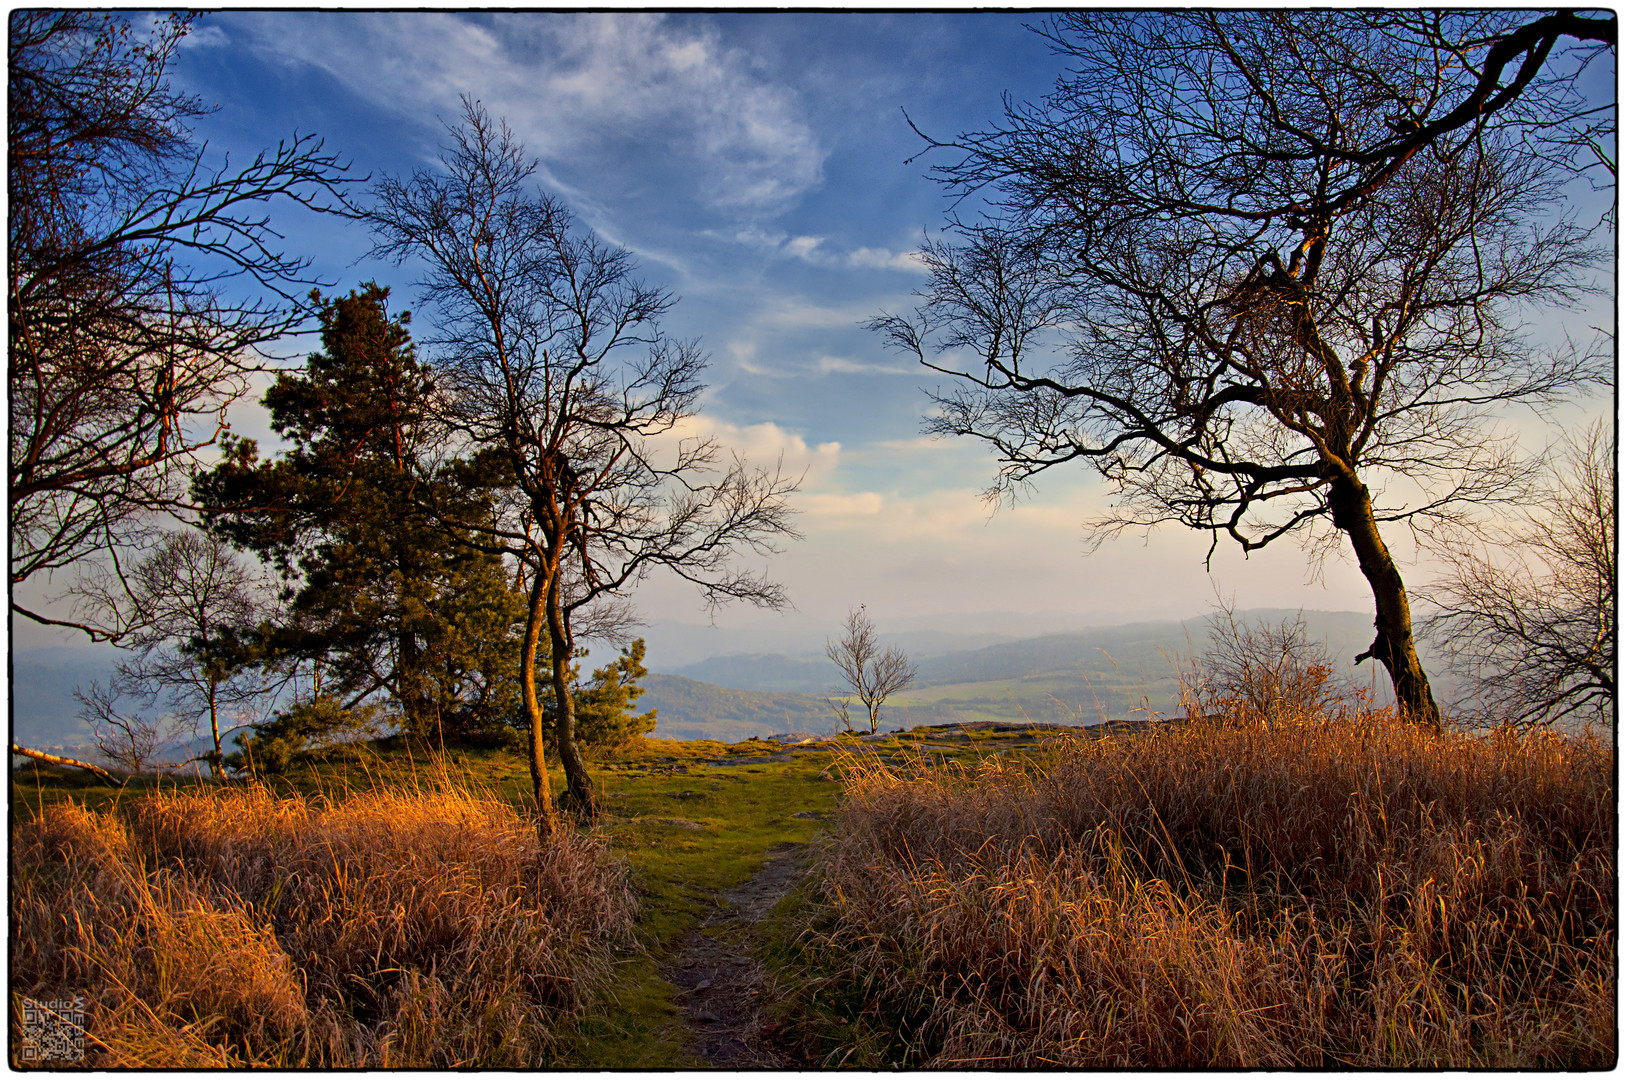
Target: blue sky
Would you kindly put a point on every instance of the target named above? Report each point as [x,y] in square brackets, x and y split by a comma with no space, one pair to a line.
[755,164]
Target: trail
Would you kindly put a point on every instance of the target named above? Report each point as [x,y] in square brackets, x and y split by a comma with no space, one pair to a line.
[721,985]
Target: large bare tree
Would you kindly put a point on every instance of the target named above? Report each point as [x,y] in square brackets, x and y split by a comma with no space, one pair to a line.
[1267,272]
[125,345]
[568,397]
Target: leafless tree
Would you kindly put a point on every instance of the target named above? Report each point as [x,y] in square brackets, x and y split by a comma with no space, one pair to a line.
[1265,670]
[183,612]
[1265,271]
[569,398]
[125,349]
[872,673]
[1531,617]
[132,740]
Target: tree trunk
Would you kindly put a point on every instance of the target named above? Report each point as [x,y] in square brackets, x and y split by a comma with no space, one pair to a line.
[1393,646]
[578,796]
[545,820]
[217,763]
[408,682]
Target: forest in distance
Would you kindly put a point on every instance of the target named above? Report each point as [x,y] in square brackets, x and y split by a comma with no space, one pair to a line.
[368,492]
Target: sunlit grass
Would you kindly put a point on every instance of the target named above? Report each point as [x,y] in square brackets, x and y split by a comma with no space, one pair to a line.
[1342,891]
[405,927]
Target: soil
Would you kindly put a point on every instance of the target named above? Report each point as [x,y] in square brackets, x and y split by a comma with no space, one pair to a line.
[721,985]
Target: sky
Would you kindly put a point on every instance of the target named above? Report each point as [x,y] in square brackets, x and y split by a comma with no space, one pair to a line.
[756,165]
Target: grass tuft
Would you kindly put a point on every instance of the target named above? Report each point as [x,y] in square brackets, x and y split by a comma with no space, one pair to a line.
[1323,891]
[388,929]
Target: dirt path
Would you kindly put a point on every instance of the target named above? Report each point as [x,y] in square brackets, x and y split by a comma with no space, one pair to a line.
[720,985]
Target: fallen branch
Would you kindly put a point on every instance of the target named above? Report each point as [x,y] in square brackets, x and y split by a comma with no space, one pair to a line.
[75,763]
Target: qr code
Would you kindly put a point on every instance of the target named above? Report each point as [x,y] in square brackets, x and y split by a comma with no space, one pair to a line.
[54,1030]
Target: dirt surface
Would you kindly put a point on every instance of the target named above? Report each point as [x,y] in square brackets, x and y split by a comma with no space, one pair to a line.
[720,984]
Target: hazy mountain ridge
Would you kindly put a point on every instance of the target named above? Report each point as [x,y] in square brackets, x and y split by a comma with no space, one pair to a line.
[1144,650]
[1072,677]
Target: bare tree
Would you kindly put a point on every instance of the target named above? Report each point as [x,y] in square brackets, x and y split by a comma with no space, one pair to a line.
[872,673]
[184,612]
[133,740]
[125,350]
[1533,623]
[569,398]
[1265,271]
[1265,670]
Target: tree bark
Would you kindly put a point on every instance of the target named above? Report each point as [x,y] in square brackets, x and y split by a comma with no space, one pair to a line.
[546,822]
[1394,646]
[578,796]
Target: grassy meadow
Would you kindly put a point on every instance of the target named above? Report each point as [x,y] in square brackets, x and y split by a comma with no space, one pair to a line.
[1326,891]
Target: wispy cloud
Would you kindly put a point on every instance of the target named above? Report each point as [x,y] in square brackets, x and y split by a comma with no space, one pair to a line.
[763,445]
[815,250]
[579,86]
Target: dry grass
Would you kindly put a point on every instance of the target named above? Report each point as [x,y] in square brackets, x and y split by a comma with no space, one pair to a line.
[1347,891]
[392,929]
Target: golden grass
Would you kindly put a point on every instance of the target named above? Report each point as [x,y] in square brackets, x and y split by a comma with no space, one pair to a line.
[1345,891]
[389,929]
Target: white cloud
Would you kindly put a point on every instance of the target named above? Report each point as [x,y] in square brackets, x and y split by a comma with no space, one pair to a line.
[574,84]
[763,445]
[814,250]
[803,247]
[882,259]
[864,504]
[843,365]
[204,36]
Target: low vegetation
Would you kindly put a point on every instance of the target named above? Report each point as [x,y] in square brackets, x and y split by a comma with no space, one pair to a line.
[393,928]
[1331,890]
[1339,890]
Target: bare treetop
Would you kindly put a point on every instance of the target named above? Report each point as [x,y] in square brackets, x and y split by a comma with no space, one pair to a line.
[141,281]
[1534,625]
[1222,266]
[565,394]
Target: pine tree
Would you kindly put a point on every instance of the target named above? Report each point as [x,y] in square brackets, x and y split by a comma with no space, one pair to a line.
[385,596]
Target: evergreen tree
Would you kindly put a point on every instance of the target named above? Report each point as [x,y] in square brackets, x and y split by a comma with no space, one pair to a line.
[604,710]
[387,594]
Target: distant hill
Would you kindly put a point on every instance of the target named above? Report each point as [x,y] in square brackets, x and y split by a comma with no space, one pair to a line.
[1146,650]
[766,671]
[1074,677]
[689,709]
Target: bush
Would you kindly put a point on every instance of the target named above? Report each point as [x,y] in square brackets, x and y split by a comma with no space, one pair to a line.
[1346,891]
[389,930]
[604,710]
[308,729]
